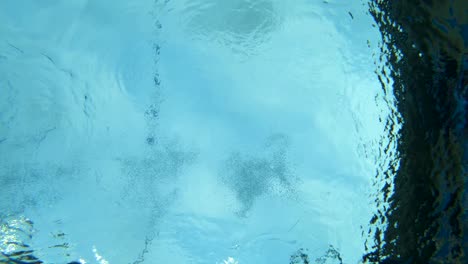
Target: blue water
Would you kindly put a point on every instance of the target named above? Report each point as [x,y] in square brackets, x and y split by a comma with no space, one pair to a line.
[197,131]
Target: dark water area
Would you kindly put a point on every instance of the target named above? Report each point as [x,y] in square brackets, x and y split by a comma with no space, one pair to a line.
[426,46]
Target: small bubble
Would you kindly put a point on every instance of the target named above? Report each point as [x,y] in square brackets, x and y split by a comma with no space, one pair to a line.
[150,140]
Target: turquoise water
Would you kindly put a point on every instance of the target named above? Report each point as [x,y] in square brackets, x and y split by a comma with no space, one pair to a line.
[184,131]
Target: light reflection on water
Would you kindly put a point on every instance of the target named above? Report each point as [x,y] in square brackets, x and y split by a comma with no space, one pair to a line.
[190,131]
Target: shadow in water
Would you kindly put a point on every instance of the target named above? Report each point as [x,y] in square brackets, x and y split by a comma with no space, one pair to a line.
[425,47]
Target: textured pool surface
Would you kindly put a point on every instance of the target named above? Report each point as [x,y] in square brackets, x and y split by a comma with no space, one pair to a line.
[235,131]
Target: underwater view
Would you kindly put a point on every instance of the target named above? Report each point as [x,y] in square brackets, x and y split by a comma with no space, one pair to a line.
[233,131]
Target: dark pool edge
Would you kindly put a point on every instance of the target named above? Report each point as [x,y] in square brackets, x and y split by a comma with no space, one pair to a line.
[426,221]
